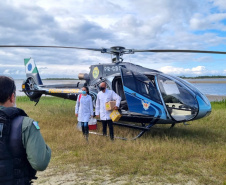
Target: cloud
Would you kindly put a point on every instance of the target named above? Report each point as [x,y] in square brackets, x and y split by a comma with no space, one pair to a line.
[143,24]
[213,21]
[221,4]
[198,69]
[184,71]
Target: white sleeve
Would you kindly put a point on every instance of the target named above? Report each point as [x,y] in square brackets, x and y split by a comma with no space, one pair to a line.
[77,105]
[97,109]
[117,98]
[91,106]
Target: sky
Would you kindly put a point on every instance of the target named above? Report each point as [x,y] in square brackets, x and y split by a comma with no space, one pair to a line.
[133,24]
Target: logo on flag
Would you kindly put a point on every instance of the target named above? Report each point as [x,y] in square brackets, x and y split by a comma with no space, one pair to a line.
[29,67]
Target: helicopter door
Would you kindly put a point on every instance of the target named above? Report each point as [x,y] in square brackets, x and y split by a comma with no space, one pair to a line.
[141,94]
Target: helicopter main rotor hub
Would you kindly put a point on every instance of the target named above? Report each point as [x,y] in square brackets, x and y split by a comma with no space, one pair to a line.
[118,51]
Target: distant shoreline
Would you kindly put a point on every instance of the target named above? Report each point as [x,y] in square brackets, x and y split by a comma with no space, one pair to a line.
[202,77]
[188,80]
[209,82]
[215,97]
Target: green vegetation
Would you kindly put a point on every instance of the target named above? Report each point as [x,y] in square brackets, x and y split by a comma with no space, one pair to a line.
[194,154]
[202,77]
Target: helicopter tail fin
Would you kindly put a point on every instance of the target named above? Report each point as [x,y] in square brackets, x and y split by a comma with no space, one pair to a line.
[32,70]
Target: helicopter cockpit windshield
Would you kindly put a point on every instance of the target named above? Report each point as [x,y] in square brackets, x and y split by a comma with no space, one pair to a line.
[180,103]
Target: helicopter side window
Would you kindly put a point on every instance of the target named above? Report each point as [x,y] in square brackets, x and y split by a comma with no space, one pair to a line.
[179,102]
[142,88]
[146,87]
[129,81]
[141,84]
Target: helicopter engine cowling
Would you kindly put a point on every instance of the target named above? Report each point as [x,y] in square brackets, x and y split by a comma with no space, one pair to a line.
[83,76]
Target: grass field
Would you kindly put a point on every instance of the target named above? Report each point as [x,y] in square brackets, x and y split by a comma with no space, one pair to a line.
[194,154]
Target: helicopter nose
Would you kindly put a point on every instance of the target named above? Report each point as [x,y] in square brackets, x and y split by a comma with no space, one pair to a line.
[204,107]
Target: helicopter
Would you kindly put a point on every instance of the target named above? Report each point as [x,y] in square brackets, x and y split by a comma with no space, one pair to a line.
[148,96]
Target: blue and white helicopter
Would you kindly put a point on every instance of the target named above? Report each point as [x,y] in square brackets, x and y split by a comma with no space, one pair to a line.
[149,96]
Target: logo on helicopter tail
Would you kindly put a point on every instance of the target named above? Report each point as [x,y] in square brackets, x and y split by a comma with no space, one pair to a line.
[95,72]
[145,104]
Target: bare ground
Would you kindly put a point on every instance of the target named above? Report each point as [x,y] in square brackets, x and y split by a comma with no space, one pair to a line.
[91,176]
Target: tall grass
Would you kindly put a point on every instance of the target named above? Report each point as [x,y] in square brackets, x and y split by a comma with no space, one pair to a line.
[179,155]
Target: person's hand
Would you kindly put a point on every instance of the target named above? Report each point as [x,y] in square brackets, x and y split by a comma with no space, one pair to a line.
[97,116]
[91,116]
[116,108]
[76,115]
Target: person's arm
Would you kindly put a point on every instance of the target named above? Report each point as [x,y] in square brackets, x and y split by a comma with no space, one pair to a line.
[97,108]
[117,98]
[91,106]
[38,153]
[77,105]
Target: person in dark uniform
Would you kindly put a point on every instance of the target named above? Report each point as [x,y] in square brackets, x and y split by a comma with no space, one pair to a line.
[23,150]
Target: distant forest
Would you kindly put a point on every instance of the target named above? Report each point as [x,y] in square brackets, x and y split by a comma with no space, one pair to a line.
[201,77]
[183,77]
[60,79]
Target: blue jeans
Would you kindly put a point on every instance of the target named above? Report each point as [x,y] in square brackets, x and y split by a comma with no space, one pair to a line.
[84,124]
[85,128]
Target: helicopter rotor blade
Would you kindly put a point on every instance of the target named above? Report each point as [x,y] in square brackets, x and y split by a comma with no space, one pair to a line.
[64,47]
[180,51]
[117,49]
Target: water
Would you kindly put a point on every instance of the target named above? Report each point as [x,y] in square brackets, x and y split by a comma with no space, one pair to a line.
[210,86]
[206,88]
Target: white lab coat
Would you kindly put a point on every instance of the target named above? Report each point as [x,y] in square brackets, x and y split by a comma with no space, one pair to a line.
[84,108]
[102,98]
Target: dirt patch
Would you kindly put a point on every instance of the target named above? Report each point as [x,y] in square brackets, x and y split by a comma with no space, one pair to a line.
[86,175]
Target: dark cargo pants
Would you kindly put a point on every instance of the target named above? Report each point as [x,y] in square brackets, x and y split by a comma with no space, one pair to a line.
[110,125]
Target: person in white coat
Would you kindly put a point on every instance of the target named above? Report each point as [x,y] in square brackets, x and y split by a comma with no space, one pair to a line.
[84,110]
[104,96]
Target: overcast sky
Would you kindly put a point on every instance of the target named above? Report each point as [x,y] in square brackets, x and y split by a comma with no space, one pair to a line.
[136,24]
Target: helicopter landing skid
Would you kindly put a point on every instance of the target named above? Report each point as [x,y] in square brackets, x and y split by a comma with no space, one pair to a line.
[144,129]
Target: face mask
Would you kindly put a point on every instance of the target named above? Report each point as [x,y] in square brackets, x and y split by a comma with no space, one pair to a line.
[83,92]
[102,88]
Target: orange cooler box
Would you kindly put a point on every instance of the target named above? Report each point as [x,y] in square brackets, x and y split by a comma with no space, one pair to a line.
[115,115]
